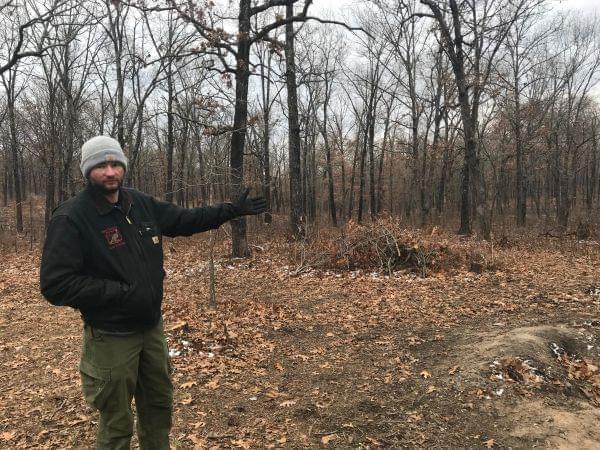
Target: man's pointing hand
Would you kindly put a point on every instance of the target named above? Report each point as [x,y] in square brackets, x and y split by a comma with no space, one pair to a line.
[245,206]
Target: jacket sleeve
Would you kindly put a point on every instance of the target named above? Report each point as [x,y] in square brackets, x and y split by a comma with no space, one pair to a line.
[174,220]
[62,278]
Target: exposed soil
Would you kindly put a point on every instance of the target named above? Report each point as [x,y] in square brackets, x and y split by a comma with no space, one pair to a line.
[337,360]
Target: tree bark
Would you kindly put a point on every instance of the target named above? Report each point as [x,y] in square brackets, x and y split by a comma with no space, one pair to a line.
[170,150]
[329,165]
[10,85]
[238,136]
[266,155]
[296,222]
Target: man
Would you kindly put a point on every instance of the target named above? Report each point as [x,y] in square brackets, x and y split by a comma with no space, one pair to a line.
[103,255]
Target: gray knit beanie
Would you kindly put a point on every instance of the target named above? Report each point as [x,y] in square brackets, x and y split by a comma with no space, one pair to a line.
[100,149]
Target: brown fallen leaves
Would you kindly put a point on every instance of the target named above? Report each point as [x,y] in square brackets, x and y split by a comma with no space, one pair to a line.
[325,440]
[517,369]
[584,370]
[8,435]
[290,352]
[490,443]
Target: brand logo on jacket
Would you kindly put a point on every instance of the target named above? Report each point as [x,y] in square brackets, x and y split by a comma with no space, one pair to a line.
[114,237]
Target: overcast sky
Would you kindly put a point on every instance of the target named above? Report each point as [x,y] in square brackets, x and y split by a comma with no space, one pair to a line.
[339,5]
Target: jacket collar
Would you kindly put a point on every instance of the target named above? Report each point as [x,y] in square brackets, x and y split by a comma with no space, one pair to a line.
[103,206]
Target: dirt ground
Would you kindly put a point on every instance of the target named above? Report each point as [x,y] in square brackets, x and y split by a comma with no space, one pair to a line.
[502,359]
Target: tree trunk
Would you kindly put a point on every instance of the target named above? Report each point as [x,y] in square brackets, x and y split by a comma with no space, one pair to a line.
[384,146]
[49,203]
[5,182]
[68,146]
[135,149]
[183,144]
[266,156]
[357,154]
[593,175]
[296,222]
[329,165]
[170,134]
[116,35]
[372,186]
[238,136]
[519,147]
[14,149]
[361,190]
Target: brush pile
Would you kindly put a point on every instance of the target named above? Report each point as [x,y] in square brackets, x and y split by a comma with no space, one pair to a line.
[386,246]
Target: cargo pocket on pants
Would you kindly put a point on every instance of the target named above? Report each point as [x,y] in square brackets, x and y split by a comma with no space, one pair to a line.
[94,383]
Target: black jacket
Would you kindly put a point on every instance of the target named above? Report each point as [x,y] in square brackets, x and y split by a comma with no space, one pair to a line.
[107,260]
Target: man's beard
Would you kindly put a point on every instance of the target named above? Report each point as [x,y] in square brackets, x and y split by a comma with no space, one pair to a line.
[104,190]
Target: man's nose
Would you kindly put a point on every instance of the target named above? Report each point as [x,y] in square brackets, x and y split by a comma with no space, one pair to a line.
[110,169]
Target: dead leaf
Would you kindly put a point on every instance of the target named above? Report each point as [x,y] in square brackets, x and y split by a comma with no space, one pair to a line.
[189,384]
[242,443]
[186,401]
[197,440]
[274,394]
[288,403]
[431,389]
[425,374]
[177,326]
[375,442]
[415,417]
[325,440]
[80,420]
[8,435]
[453,370]
[490,443]
[214,384]
[197,425]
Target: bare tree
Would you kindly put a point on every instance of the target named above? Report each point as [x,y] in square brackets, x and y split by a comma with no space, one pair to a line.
[473,33]
[579,65]
[521,46]
[223,45]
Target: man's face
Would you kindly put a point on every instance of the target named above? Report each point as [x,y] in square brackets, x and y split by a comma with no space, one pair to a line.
[107,176]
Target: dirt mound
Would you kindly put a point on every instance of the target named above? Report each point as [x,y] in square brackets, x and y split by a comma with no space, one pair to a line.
[534,343]
[559,428]
[542,379]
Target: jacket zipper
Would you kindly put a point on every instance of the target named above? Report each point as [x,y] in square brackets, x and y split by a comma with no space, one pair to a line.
[141,251]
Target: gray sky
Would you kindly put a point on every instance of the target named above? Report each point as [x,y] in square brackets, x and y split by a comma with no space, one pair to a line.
[582,5]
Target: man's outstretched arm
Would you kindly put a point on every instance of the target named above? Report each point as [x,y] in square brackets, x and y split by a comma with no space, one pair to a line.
[174,220]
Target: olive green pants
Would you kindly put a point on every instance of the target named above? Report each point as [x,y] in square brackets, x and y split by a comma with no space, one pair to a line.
[115,369]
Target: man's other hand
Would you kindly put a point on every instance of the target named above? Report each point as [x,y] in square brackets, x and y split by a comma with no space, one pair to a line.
[245,206]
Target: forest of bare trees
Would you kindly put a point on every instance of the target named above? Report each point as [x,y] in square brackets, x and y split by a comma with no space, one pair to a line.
[472,114]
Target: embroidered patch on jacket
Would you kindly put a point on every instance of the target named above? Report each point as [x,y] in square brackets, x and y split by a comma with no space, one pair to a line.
[113,237]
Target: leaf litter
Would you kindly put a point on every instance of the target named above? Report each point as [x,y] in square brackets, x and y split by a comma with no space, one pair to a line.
[291,357]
